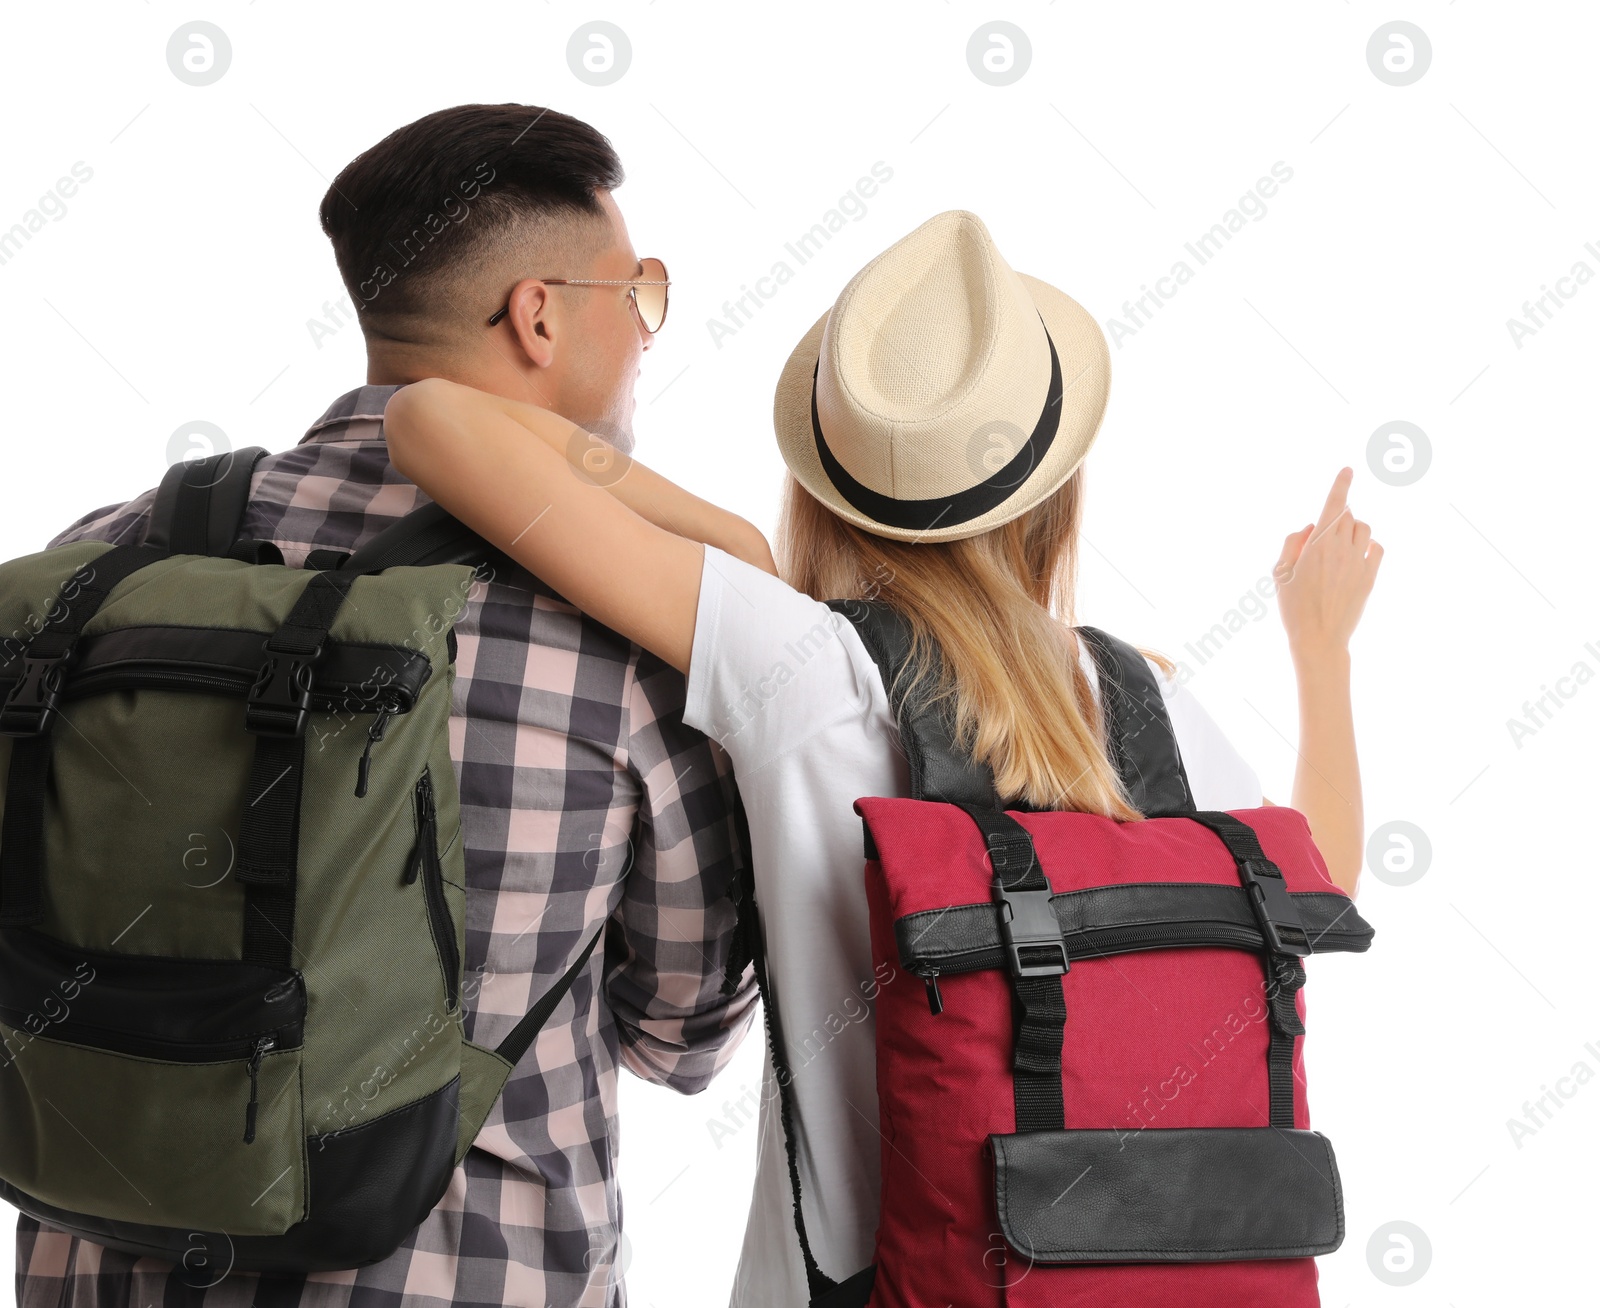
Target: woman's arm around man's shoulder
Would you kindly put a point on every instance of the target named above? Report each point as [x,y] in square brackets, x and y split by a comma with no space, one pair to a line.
[627,548]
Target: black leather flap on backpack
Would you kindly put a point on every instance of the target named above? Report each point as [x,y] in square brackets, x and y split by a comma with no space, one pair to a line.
[1187,1194]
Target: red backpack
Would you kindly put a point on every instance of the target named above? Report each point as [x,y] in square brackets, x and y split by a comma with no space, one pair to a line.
[1096,1096]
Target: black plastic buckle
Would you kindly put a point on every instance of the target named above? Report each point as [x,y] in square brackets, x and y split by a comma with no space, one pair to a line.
[1031,931]
[1274,909]
[281,696]
[31,706]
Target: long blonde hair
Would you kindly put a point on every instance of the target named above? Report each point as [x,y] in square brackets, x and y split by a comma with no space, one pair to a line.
[995,606]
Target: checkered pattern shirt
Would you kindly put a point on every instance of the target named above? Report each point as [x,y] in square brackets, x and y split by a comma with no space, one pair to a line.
[583,798]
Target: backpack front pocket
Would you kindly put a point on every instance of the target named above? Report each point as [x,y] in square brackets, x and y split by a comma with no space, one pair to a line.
[424,861]
[162,1091]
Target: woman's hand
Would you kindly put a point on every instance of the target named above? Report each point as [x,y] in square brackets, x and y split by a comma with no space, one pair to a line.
[1324,576]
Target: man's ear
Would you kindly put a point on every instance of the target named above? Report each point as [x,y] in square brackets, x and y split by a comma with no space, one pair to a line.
[533,321]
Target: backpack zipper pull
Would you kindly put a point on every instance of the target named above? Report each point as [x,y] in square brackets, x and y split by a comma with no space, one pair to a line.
[425,826]
[380,724]
[261,1046]
[930,983]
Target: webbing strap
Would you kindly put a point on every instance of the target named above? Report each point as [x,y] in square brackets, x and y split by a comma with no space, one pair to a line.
[269,827]
[1036,1067]
[1239,837]
[28,714]
[84,592]
[1287,940]
[22,836]
[306,628]
[1010,849]
[424,536]
[269,839]
[1287,975]
[521,1037]
[1269,893]
[817,1281]
[819,1284]
[1038,961]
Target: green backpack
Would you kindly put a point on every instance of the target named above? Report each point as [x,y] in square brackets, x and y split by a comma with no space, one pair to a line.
[232,900]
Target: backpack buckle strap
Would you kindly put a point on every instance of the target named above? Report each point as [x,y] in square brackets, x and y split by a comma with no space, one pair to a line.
[1031,932]
[1011,853]
[1288,976]
[280,699]
[1028,923]
[1275,912]
[31,705]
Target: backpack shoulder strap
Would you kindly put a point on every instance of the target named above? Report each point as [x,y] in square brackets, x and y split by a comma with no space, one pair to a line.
[822,1290]
[521,1037]
[1139,733]
[200,504]
[426,535]
[1142,743]
[939,769]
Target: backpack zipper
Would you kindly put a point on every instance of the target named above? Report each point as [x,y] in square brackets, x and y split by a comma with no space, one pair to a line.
[1101,942]
[425,859]
[154,676]
[167,1051]
[260,1047]
[427,821]
[159,678]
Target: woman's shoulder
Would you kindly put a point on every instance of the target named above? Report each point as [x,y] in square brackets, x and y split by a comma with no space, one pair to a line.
[770,665]
[751,619]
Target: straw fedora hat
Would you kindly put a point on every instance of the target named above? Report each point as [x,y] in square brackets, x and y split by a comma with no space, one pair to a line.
[943,394]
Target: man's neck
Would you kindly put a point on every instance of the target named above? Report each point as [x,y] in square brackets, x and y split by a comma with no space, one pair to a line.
[402,365]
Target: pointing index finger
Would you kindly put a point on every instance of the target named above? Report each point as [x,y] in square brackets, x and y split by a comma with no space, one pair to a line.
[1335,504]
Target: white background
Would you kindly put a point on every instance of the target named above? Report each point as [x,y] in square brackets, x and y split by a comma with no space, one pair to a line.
[179,283]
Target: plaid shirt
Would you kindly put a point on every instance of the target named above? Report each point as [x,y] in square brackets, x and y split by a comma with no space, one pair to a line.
[583,798]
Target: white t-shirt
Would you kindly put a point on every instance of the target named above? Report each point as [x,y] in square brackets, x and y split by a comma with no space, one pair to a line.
[787,688]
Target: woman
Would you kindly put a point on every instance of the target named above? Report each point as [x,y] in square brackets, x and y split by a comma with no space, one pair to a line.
[934,423]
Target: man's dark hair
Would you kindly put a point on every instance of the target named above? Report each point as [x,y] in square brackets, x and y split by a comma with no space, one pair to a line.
[421,203]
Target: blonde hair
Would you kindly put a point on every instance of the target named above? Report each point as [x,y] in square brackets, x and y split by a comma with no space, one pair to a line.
[996,607]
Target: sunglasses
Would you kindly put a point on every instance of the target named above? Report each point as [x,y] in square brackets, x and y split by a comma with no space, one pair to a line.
[647,291]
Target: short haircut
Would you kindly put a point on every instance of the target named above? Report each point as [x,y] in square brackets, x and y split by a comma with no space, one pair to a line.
[408,216]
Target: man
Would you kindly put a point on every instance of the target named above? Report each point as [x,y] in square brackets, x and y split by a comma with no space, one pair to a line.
[584,797]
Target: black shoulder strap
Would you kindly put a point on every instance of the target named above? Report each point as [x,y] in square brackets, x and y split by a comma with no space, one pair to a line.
[200,504]
[822,1290]
[939,770]
[1140,736]
[520,1038]
[1142,743]
[424,536]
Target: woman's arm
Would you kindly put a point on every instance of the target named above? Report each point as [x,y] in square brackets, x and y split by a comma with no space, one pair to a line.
[646,492]
[1324,576]
[627,552]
